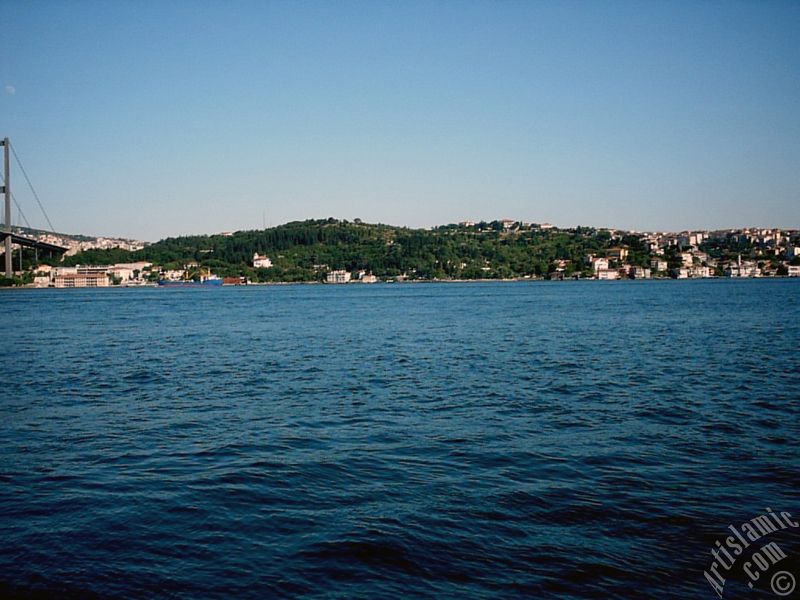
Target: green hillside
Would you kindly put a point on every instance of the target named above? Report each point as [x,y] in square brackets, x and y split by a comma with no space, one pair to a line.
[306,250]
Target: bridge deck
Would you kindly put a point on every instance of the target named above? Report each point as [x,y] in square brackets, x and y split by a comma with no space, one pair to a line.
[31,243]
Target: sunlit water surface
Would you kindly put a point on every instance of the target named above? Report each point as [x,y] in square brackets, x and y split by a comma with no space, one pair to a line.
[551,440]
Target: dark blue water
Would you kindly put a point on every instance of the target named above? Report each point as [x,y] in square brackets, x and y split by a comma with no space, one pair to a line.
[551,440]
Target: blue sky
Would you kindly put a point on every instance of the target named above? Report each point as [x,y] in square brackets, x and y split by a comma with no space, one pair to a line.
[148,119]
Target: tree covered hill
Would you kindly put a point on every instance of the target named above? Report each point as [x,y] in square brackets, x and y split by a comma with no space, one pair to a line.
[306,250]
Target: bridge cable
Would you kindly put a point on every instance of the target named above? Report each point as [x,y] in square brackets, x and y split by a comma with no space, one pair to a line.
[19,208]
[30,185]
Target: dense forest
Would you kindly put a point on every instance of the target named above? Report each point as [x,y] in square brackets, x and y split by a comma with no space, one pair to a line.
[306,250]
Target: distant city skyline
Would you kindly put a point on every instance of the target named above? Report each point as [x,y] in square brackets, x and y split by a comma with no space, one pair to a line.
[147,121]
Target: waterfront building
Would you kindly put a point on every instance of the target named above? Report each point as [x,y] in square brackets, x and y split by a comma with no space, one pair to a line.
[128,271]
[699,271]
[657,264]
[607,274]
[92,270]
[340,276]
[742,269]
[89,278]
[365,277]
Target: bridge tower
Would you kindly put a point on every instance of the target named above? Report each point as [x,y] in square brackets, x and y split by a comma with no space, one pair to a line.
[7,191]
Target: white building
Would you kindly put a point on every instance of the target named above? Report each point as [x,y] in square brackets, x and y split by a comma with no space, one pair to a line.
[365,277]
[657,264]
[640,273]
[618,253]
[87,278]
[699,271]
[128,271]
[599,264]
[607,274]
[261,262]
[743,269]
[340,276]
[794,270]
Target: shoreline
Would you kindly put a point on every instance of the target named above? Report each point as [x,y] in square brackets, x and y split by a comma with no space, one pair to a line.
[417,281]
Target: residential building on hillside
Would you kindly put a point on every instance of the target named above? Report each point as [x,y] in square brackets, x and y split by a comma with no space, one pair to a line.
[742,269]
[657,264]
[261,262]
[618,253]
[599,264]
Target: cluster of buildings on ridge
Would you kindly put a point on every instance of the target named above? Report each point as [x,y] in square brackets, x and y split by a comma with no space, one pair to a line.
[774,251]
[506,224]
[75,244]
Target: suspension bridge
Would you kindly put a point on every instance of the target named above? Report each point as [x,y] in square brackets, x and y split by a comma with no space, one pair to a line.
[7,236]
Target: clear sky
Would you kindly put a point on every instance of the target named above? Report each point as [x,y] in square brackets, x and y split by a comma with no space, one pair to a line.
[148,118]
